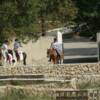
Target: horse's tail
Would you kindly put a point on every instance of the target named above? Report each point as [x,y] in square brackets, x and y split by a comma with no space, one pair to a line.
[24,58]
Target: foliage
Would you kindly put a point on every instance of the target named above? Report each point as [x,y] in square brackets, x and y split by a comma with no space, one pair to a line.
[27,18]
[89,12]
[16,17]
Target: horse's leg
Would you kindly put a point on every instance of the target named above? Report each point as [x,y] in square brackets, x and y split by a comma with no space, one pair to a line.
[3,61]
[9,59]
[53,60]
[59,59]
[24,58]
[62,58]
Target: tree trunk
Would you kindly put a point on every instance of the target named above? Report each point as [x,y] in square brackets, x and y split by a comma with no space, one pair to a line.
[43,30]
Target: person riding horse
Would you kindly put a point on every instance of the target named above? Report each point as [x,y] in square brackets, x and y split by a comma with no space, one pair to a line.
[4,53]
[17,45]
[58,47]
[4,49]
[10,57]
[20,55]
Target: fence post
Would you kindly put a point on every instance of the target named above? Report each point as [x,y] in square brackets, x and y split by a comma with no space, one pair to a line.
[98,41]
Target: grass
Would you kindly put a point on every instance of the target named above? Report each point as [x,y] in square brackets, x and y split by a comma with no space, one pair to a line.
[19,94]
[19,82]
[89,85]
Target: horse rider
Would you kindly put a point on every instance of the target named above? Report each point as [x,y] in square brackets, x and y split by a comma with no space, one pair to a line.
[17,45]
[4,49]
[58,47]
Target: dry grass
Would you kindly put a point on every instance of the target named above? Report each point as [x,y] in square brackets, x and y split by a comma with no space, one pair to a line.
[19,94]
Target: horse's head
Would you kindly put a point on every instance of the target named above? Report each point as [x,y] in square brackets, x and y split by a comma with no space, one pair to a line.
[50,51]
[52,54]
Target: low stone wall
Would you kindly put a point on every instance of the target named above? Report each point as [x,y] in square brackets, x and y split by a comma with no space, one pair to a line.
[82,76]
[52,70]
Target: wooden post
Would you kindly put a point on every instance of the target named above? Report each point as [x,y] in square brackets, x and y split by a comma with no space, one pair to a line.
[98,41]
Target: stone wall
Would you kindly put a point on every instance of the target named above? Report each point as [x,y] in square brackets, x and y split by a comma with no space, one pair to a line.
[81,75]
[53,70]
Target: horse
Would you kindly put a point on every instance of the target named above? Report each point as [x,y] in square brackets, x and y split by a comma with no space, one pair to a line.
[54,56]
[8,59]
[19,57]
[12,58]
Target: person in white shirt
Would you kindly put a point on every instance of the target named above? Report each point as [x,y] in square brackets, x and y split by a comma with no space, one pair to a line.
[57,46]
[4,49]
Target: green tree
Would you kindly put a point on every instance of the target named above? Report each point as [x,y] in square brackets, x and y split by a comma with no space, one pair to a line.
[17,18]
[89,12]
[27,18]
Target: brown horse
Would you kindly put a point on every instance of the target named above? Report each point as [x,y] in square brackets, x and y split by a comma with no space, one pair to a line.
[8,58]
[55,57]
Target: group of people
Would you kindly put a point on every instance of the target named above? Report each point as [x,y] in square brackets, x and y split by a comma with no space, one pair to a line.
[17,45]
[4,48]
